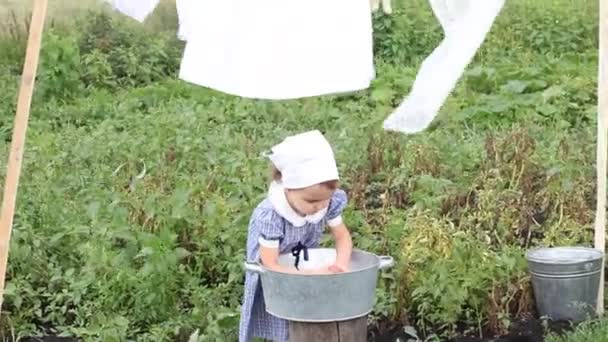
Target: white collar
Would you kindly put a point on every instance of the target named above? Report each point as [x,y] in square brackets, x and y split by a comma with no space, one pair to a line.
[276,195]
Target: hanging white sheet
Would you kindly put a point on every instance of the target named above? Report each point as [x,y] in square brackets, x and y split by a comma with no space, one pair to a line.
[465,24]
[386,6]
[138,9]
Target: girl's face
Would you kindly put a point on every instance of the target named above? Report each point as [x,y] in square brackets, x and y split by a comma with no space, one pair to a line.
[309,200]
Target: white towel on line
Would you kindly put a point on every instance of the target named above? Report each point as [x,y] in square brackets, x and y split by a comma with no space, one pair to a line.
[465,24]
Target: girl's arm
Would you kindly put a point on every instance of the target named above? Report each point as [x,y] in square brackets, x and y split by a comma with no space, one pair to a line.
[269,257]
[344,247]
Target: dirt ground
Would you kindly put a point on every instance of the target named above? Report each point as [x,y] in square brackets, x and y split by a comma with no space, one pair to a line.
[532,330]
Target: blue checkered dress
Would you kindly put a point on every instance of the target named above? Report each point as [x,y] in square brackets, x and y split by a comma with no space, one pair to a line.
[265,222]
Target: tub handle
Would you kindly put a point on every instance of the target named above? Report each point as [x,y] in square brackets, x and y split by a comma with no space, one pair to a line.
[386,262]
[253,267]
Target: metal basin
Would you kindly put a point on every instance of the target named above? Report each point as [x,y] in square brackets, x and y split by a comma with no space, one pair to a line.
[566,281]
[323,297]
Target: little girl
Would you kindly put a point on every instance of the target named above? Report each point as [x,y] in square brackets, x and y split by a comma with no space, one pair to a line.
[302,199]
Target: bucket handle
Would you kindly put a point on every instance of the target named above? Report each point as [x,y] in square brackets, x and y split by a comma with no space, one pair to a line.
[386,261]
[253,267]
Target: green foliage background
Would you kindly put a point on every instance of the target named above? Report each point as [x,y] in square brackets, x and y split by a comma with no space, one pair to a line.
[137,187]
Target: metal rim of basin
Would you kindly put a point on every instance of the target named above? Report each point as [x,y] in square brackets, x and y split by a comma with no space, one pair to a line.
[298,319]
[382,262]
[563,255]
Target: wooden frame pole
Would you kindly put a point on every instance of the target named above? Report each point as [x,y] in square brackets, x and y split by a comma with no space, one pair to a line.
[602,144]
[24,101]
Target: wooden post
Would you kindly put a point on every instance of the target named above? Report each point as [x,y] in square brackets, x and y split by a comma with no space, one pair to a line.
[602,145]
[354,330]
[24,101]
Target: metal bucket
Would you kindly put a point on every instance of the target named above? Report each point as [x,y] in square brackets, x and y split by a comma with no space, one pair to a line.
[566,281]
[323,297]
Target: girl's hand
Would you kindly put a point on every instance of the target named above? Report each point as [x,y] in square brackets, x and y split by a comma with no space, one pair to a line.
[335,268]
[344,247]
[316,271]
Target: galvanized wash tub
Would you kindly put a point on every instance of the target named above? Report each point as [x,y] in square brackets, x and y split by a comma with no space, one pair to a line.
[323,297]
[566,281]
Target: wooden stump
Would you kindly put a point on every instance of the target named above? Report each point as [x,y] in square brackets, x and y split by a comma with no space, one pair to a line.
[354,330]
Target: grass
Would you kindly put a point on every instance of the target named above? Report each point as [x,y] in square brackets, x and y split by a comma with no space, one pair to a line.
[588,331]
[15,14]
[102,254]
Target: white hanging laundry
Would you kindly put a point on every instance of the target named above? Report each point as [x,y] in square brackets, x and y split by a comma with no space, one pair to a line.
[466,24]
[136,9]
[274,49]
[184,13]
[278,49]
[386,6]
[141,9]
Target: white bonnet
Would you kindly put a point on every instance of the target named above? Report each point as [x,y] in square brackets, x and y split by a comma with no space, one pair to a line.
[304,159]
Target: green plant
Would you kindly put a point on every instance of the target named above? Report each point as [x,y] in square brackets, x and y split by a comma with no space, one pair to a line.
[595,330]
[59,75]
